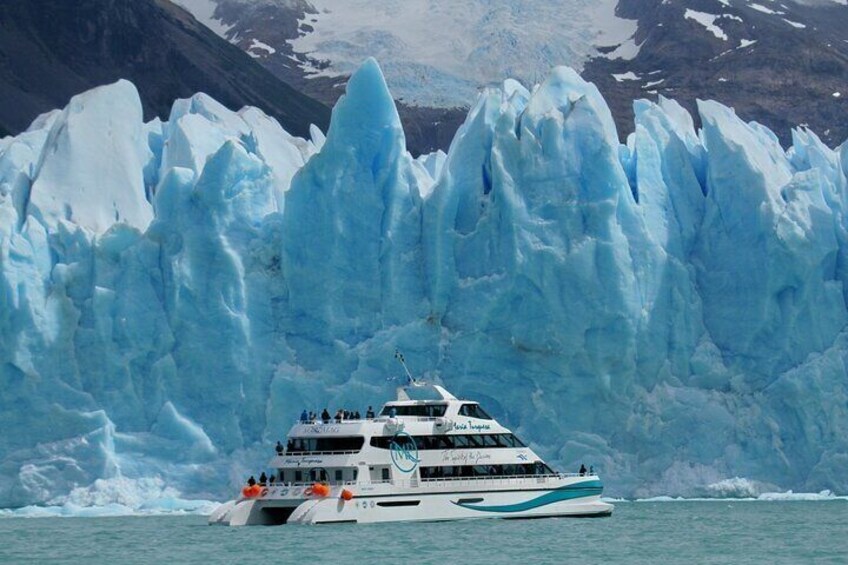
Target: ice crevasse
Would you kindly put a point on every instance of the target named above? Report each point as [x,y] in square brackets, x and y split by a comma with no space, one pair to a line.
[172,294]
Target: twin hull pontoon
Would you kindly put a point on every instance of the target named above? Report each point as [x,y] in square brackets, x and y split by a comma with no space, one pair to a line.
[442,459]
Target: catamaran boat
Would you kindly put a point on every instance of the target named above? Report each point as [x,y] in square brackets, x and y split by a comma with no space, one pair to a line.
[429,459]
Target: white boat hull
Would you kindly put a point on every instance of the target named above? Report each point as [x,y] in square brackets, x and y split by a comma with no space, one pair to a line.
[384,503]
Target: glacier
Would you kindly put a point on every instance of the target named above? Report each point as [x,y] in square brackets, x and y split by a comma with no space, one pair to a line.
[671,310]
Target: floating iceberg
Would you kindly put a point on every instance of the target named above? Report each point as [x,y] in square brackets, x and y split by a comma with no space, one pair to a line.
[671,310]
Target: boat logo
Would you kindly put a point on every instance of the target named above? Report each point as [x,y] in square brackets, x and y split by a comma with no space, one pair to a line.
[404,452]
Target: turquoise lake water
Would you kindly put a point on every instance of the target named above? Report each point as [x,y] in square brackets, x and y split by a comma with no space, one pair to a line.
[638,532]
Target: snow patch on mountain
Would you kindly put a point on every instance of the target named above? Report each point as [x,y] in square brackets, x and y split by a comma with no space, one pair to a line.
[706,20]
[797,25]
[258,49]
[764,9]
[629,75]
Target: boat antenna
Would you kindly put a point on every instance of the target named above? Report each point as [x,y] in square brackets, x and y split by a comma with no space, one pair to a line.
[399,357]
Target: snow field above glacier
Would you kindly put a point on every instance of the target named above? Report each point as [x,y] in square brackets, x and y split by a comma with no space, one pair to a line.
[438,53]
[671,310]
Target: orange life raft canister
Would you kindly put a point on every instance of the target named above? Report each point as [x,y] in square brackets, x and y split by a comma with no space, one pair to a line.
[319,489]
[251,491]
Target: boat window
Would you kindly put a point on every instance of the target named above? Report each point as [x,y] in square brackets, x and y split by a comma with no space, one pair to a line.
[380,442]
[318,444]
[298,476]
[437,410]
[449,471]
[444,442]
[460,441]
[385,474]
[338,475]
[422,410]
[490,440]
[512,441]
[542,469]
[463,441]
[473,411]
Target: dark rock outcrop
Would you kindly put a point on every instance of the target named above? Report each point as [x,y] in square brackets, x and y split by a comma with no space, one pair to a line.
[53,49]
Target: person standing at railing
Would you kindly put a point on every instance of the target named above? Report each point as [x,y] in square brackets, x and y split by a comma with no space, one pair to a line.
[325,416]
[304,416]
[263,479]
[370,413]
[582,469]
[279,448]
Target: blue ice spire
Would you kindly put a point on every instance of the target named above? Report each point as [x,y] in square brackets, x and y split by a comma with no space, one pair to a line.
[365,119]
[351,220]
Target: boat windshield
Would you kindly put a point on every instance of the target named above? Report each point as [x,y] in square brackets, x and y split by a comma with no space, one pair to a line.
[473,411]
[425,410]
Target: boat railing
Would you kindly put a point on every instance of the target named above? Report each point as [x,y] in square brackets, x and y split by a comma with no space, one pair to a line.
[384,419]
[333,421]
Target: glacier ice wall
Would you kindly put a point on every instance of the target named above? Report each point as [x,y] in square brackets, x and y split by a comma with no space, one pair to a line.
[671,310]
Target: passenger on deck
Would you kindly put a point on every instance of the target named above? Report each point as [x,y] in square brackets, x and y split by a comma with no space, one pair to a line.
[312,416]
[263,479]
[345,414]
[251,481]
[370,413]
[356,415]
[325,416]
[591,470]
[582,469]
[271,479]
[279,448]
[338,416]
[304,416]
[393,413]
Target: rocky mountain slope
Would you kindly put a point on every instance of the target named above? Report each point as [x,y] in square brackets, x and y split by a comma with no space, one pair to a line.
[781,64]
[52,49]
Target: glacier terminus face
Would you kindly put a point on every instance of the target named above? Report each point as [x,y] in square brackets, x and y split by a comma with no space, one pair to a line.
[670,310]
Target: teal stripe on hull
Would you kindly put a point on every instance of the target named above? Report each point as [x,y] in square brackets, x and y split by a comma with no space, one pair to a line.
[570,492]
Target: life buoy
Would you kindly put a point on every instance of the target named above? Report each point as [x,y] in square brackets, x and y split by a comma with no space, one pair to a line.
[246,492]
[346,494]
